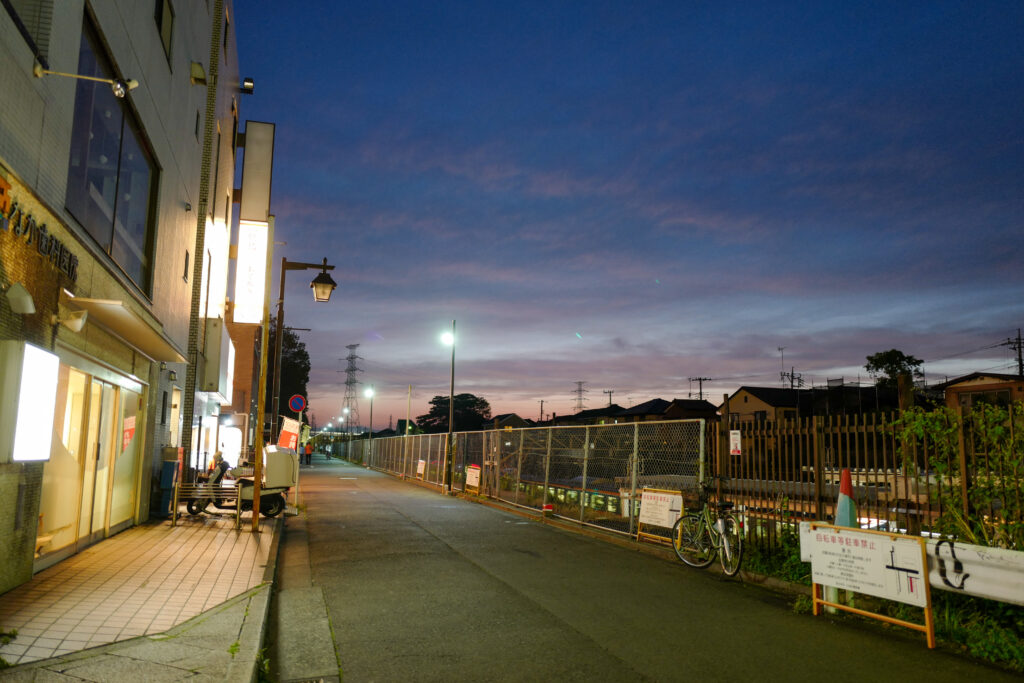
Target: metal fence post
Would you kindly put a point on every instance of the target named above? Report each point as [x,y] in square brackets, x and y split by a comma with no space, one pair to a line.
[547,470]
[818,473]
[635,460]
[583,483]
[519,466]
[703,451]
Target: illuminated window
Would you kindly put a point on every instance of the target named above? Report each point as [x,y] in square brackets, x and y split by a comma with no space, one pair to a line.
[111,173]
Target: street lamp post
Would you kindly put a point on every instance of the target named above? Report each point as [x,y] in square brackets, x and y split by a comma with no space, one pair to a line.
[449,339]
[322,285]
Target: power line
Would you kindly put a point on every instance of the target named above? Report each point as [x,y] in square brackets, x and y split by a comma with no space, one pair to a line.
[700,385]
[1016,345]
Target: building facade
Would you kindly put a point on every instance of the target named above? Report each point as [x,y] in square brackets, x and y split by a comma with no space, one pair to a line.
[114,187]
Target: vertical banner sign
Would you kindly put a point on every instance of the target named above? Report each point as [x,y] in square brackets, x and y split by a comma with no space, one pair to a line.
[289,437]
[251,271]
[734,442]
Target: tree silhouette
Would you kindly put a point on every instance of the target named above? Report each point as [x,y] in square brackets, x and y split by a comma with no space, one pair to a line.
[294,370]
[891,364]
[471,412]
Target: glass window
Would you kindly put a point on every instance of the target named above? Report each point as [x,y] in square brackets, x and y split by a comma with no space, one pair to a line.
[111,174]
[33,19]
[165,24]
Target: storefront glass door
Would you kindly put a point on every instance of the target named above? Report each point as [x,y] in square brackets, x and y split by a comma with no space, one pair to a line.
[98,458]
[89,483]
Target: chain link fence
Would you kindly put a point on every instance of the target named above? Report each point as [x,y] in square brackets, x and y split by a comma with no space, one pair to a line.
[589,474]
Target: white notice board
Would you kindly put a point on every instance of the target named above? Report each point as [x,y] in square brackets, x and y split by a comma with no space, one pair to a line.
[660,508]
[870,562]
[421,467]
[473,476]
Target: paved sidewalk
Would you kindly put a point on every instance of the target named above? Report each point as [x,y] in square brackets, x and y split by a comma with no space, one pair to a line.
[154,601]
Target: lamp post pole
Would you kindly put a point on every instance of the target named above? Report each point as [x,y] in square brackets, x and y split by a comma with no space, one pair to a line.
[369,394]
[449,483]
[322,287]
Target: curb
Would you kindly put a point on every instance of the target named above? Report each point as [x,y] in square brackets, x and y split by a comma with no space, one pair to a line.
[244,666]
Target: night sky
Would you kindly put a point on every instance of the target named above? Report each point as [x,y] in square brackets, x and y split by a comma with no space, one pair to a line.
[634,194]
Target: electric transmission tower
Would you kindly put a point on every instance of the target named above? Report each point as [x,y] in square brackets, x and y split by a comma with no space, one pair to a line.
[579,391]
[350,406]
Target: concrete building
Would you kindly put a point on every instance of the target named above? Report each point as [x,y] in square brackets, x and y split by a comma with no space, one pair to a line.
[116,204]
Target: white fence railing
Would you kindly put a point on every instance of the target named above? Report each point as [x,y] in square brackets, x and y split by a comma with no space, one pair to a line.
[590,474]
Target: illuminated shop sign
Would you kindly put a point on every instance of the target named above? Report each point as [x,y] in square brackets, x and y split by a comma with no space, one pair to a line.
[251,271]
[29,230]
[28,380]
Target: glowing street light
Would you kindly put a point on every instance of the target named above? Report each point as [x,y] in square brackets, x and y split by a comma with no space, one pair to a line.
[322,286]
[448,339]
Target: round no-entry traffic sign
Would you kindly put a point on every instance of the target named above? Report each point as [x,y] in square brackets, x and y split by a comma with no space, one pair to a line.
[297,403]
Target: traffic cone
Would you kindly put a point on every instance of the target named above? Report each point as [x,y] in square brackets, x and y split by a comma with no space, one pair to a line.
[846,509]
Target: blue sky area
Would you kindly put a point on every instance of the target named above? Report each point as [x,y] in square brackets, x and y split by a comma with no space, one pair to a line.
[633,194]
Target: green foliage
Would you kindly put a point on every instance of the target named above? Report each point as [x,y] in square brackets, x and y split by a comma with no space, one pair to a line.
[994,438]
[295,367]
[891,364]
[263,674]
[234,648]
[781,559]
[989,630]
[5,638]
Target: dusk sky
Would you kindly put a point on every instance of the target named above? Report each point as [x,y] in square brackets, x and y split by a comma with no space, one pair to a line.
[634,194]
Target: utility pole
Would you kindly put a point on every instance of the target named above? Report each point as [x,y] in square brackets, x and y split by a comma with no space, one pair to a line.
[609,392]
[700,385]
[782,364]
[1016,345]
[795,379]
[542,410]
[579,395]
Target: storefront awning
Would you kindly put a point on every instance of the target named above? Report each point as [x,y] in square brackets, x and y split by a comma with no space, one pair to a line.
[130,327]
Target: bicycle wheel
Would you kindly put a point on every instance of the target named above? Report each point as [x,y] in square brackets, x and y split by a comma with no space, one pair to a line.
[731,552]
[692,541]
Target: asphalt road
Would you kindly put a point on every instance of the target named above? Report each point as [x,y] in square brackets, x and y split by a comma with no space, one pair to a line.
[422,587]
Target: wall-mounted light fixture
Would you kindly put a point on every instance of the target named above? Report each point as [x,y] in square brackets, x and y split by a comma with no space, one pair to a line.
[74,320]
[247,86]
[172,376]
[117,86]
[20,300]
[188,206]
[197,74]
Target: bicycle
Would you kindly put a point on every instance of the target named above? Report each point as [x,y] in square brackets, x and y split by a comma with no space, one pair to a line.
[698,537]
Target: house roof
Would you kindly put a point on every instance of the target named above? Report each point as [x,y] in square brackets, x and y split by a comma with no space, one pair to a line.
[775,396]
[697,404]
[607,411]
[997,376]
[655,406]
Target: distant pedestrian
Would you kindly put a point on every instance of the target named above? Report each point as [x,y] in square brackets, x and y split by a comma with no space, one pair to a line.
[309,452]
